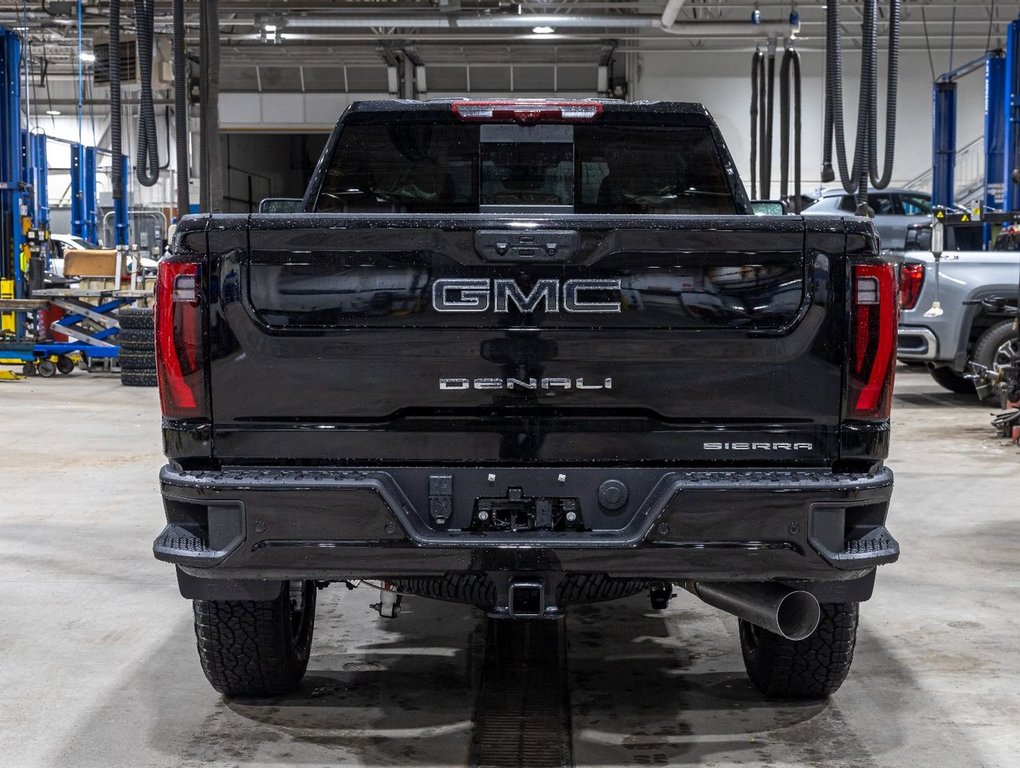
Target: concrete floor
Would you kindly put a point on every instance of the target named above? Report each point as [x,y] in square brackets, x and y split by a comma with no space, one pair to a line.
[98,666]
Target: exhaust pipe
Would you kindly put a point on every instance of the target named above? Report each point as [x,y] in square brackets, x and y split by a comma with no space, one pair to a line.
[792,614]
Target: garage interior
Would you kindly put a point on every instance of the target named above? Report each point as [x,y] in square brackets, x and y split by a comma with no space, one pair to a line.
[224,107]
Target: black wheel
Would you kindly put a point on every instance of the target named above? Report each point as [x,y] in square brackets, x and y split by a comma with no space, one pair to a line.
[135,318]
[65,364]
[811,668]
[998,346]
[46,368]
[257,647]
[28,369]
[949,379]
[144,378]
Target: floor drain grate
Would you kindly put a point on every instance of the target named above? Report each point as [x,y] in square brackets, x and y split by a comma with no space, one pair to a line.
[522,716]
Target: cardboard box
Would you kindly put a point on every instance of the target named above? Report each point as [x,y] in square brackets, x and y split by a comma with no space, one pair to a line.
[98,263]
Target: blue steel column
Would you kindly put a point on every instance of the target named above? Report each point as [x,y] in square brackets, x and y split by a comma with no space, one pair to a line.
[120,206]
[943,131]
[1011,137]
[77,192]
[40,182]
[995,127]
[91,209]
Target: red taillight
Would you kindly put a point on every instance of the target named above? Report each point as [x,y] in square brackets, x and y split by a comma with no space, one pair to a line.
[911,280]
[527,111]
[872,341]
[179,358]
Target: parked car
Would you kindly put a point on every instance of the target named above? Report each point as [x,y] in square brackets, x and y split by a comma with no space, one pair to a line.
[895,210]
[973,327]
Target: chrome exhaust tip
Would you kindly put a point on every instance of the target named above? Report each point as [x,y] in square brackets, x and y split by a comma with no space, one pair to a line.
[790,613]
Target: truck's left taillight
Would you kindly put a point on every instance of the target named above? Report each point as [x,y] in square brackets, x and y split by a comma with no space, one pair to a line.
[179,344]
[873,320]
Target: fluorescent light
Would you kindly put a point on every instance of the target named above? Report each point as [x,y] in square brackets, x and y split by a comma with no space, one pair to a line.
[88,56]
[270,28]
[52,112]
[543,30]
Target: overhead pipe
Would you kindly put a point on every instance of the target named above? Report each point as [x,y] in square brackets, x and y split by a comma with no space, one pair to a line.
[516,21]
[670,12]
[790,613]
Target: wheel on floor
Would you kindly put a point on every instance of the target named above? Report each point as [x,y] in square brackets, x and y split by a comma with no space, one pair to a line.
[257,648]
[812,668]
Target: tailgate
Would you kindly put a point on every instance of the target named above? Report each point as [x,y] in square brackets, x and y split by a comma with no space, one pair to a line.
[343,339]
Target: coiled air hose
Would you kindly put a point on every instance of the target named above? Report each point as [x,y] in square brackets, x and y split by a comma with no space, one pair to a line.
[147,166]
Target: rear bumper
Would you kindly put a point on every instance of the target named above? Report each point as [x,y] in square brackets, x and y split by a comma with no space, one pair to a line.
[916,343]
[720,525]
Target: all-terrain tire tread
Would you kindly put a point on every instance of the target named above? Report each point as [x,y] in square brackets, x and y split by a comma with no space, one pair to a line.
[139,378]
[580,588]
[812,668]
[245,646]
[136,318]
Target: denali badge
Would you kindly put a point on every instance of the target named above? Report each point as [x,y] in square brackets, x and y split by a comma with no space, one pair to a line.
[552,382]
[758,446]
[467,294]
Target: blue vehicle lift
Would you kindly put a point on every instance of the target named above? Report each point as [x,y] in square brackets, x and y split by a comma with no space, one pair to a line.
[1002,127]
[12,184]
[24,213]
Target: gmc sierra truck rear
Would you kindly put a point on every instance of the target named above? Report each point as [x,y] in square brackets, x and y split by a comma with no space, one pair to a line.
[526,355]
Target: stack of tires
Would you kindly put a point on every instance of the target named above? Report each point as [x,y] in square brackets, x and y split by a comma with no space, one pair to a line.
[137,339]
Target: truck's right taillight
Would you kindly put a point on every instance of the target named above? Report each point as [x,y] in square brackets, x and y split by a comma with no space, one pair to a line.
[179,345]
[872,341]
[911,280]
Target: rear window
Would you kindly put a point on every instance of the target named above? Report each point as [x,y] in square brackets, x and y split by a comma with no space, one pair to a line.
[426,167]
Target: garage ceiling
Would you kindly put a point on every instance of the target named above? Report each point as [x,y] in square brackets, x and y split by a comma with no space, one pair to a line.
[318,45]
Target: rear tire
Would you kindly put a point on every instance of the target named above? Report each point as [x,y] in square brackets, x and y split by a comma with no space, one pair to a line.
[812,668]
[257,648]
[949,379]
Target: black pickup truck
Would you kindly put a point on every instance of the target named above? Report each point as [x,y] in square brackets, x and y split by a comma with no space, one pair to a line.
[526,355]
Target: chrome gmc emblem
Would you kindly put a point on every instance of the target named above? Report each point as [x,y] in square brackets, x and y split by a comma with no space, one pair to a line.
[465,294]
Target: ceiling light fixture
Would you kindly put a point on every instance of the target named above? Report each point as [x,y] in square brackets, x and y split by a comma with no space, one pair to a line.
[543,30]
[52,112]
[88,57]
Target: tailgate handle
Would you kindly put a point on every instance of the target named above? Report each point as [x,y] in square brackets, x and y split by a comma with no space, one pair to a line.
[557,245]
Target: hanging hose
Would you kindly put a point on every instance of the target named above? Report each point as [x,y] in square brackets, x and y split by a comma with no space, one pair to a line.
[865,162]
[116,174]
[892,79]
[209,85]
[181,110]
[766,174]
[790,66]
[147,167]
[757,76]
